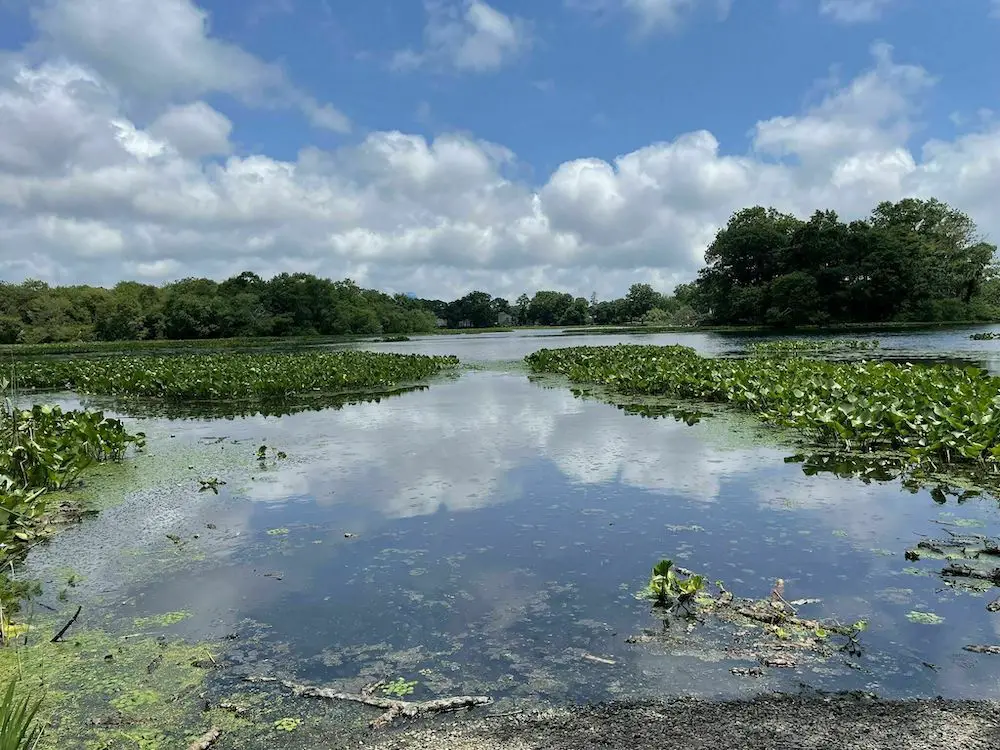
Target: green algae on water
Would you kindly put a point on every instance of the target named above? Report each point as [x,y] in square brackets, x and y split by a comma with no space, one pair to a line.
[164,620]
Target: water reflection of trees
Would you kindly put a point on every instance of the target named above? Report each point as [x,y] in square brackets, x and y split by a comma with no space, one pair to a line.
[152,408]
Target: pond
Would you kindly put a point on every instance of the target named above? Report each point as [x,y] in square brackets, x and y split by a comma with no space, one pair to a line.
[488,535]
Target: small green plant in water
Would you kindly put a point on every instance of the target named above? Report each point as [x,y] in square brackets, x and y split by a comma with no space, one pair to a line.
[18,728]
[287,724]
[277,532]
[212,483]
[669,590]
[399,687]
[924,618]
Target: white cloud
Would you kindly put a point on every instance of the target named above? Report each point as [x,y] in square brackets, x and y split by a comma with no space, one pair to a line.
[652,15]
[163,51]
[80,178]
[472,36]
[195,130]
[854,11]
[326,116]
[871,114]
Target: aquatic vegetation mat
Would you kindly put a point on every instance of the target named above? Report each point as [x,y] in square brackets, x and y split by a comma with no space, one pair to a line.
[934,414]
[238,376]
[44,449]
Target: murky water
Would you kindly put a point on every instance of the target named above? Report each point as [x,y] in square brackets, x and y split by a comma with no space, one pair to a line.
[488,535]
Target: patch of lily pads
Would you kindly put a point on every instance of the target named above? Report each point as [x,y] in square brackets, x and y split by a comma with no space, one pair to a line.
[231,376]
[930,415]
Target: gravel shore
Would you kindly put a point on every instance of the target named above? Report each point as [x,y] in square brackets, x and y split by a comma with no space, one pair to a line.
[773,722]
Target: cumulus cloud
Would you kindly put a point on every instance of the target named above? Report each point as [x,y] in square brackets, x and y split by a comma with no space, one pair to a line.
[163,50]
[82,178]
[471,37]
[195,130]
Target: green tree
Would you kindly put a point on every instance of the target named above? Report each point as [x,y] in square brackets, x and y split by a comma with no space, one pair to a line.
[641,298]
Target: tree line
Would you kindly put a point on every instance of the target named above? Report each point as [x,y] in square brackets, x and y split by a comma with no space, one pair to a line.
[297,304]
[914,260]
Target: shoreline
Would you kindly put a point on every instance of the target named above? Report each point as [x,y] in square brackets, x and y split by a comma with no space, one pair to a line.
[766,722]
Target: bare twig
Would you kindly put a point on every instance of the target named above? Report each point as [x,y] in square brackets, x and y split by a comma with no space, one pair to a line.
[61,633]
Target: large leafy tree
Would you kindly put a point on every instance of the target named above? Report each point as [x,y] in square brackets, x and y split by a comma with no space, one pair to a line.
[910,260]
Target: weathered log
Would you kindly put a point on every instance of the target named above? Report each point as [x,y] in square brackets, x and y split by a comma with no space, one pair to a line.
[206,740]
[392,707]
[956,570]
[983,649]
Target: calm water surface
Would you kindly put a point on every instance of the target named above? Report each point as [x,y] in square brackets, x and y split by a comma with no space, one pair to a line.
[499,529]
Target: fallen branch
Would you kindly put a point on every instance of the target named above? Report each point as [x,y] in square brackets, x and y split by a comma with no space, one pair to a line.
[967,571]
[392,708]
[61,633]
[983,649]
[206,740]
[769,616]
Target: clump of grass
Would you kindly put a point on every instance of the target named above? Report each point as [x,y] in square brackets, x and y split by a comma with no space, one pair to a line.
[18,728]
[937,414]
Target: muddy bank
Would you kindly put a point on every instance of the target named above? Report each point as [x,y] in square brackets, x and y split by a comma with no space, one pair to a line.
[767,722]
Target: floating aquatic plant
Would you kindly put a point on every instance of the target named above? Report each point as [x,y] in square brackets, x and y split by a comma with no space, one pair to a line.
[671,589]
[232,376]
[399,687]
[924,618]
[937,413]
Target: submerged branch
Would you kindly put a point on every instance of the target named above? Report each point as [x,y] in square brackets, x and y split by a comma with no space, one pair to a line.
[56,638]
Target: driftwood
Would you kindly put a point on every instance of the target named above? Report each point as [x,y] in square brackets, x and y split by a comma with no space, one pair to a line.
[206,740]
[61,633]
[392,707]
[983,649]
[957,570]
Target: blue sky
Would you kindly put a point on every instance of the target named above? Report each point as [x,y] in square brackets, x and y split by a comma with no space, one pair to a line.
[453,144]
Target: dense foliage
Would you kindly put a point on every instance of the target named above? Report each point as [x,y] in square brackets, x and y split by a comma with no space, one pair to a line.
[240,376]
[242,306]
[938,413]
[41,449]
[915,260]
